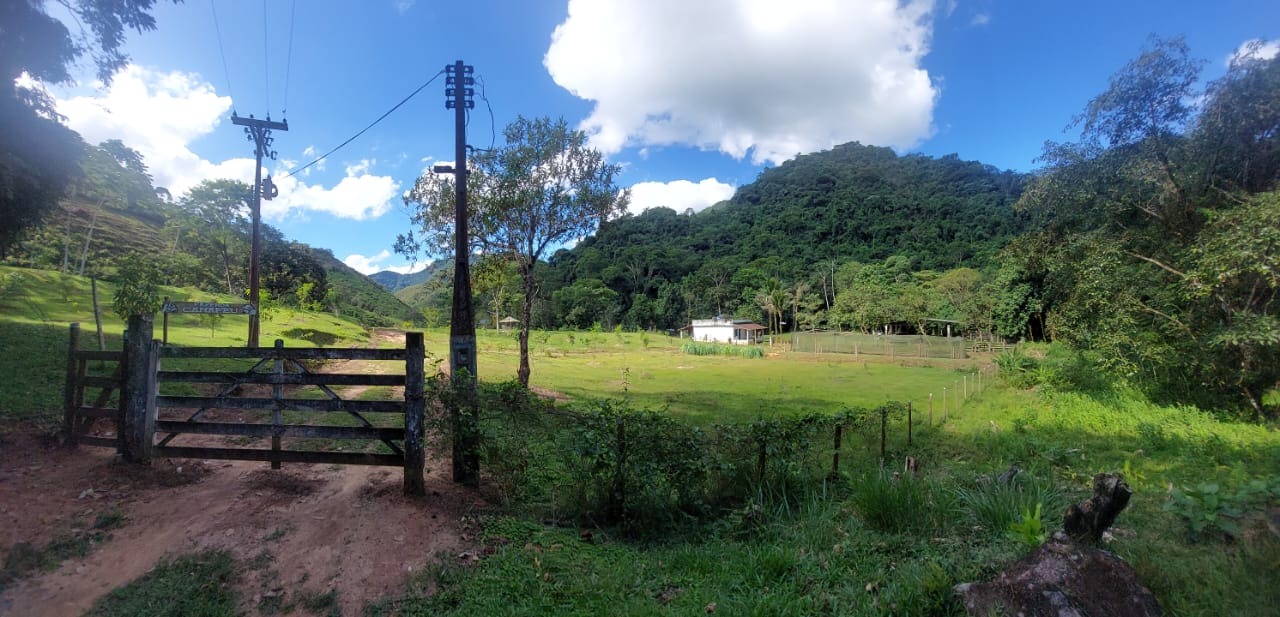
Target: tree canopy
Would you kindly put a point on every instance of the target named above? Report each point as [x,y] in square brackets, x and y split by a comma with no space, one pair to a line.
[543,187]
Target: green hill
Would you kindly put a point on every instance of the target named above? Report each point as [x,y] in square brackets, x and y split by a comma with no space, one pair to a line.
[360,298]
[89,237]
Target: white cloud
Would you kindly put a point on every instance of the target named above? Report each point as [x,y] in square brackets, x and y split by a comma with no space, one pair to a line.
[359,196]
[160,114]
[679,195]
[981,19]
[760,77]
[403,6]
[370,265]
[1255,48]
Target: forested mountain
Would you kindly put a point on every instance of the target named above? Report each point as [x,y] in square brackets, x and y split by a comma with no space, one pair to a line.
[815,213]
[394,281]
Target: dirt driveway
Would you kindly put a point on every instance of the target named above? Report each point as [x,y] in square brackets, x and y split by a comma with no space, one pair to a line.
[315,527]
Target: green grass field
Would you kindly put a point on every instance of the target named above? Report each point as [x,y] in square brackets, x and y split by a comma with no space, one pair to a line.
[854,545]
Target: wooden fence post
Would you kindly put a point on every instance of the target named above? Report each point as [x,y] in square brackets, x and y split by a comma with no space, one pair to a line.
[930,410]
[69,402]
[944,404]
[835,456]
[139,390]
[153,391]
[414,383]
[908,423]
[618,496]
[884,419]
[761,461]
[277,393]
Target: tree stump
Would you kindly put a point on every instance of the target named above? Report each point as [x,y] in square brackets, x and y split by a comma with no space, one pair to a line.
[1086,521]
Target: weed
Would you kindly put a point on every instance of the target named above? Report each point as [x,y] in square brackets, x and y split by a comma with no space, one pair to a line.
[996,504]
[198,585]
[891,503]
[1029,531]
[1209,511]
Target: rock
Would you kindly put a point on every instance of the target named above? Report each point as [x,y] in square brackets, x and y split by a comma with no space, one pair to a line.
[1086,521]
[1062,579]
[1067,576]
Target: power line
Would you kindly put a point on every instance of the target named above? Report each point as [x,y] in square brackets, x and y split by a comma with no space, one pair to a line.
[492,132]
[225,72]
[288,65]
[371,125]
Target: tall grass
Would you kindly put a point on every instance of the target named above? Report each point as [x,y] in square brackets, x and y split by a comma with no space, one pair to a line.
[695,348]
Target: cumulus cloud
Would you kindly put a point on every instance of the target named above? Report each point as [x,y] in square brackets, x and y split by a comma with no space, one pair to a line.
[760,77]
[1255,48]
[160,114]
[370,265]
[679,195]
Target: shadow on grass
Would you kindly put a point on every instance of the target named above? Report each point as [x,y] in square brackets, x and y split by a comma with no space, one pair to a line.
[319,338]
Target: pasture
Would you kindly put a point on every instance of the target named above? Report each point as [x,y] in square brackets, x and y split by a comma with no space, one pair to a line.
[800,543]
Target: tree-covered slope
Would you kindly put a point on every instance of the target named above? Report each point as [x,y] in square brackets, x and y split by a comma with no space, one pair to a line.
[852,203]
[357,296]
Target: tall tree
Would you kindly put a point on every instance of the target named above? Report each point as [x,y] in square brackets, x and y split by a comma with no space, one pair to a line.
[1156,230]
[214,227]
[545,186]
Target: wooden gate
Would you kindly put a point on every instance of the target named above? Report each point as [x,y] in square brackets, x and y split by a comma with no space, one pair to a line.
[269,389]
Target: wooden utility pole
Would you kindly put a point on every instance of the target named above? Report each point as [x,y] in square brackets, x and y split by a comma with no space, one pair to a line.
[259,132]
[462,326]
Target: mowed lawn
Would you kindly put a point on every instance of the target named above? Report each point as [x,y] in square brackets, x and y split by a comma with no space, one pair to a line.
[651,371]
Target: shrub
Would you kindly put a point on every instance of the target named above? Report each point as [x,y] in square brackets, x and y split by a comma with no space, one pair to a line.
[996,504]
[892,503]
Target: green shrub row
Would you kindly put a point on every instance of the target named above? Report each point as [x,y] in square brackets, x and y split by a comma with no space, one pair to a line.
[608,464]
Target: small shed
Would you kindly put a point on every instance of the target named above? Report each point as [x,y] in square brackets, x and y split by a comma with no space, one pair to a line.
[508,323]
[722,330]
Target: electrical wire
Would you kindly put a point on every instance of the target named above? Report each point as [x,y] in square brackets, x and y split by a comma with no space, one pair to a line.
[266,63]
[493,133]
[371,125]
[288,65]
[225,72]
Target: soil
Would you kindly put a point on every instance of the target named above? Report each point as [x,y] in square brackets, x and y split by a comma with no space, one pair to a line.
[300,531]
[309,528]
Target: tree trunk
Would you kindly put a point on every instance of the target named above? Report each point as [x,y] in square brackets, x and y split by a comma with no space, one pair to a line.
[226,270]
[88,238]
[526,317]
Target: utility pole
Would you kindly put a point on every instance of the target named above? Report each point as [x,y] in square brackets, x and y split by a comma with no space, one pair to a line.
[462,327]
[258,132]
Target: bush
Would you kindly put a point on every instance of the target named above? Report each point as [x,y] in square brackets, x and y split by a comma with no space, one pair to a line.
[892,503]
[996,504]
[644,470]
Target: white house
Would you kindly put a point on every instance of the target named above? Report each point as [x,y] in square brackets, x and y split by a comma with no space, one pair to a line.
[722,330]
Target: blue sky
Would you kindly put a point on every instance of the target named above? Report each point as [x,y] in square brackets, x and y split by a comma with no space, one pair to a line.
[692,97]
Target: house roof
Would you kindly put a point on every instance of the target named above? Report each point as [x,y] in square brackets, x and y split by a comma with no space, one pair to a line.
[509,319]
[748,326]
